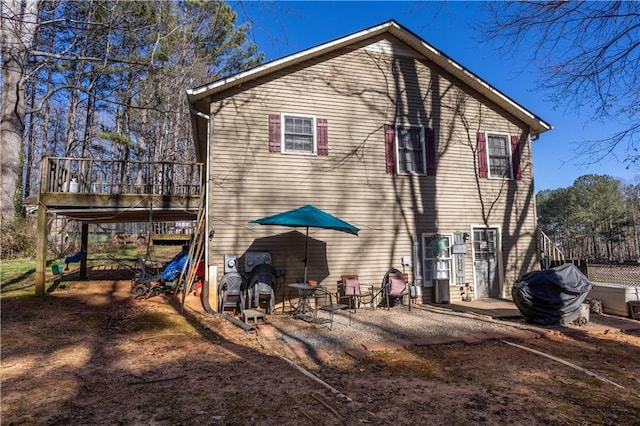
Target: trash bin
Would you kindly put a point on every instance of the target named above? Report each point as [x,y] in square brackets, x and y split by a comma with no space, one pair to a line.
[441,291]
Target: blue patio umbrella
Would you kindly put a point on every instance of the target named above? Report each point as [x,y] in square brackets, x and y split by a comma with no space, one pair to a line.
[307,217]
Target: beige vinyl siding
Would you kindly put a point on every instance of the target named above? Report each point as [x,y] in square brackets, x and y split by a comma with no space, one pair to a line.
[358,91]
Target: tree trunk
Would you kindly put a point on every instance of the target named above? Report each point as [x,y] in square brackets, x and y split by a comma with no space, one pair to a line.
[71,120]
[30,145]
[19,21]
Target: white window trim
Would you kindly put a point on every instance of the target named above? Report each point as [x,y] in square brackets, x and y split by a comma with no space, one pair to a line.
[423,141]
[282,134]
[509,155]
[452,272]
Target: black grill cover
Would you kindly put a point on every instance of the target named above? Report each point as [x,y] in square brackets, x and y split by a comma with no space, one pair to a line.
[552,296]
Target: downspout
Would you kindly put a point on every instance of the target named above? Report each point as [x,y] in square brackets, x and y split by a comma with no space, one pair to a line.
[540,254]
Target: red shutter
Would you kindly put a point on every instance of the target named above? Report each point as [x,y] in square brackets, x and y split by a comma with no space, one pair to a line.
[516,154]
[390,147]
[431,151]
[322,133]
[483,167]
[274,133]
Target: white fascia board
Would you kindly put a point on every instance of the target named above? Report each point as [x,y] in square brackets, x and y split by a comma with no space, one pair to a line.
[464,74]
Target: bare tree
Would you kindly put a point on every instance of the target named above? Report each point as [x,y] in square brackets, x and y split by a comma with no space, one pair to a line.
[589,56]
[19,21]
[107,76]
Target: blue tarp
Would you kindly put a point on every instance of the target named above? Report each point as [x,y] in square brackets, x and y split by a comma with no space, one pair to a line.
[173,269]
[75,258]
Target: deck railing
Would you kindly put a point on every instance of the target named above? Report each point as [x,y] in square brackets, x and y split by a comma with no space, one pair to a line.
[550,253]
[96,176]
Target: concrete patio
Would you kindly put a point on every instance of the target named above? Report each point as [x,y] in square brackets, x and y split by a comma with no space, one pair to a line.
[494,308]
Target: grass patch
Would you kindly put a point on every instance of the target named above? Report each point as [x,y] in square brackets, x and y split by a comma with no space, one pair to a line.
[17,276]
[151,321]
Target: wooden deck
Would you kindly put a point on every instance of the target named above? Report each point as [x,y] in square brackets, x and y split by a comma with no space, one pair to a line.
[113,191]
[91,190]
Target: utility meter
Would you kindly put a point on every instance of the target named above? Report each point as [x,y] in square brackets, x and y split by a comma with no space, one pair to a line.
[230,263]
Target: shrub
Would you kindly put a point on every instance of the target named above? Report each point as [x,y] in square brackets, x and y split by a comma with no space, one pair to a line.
[18,239]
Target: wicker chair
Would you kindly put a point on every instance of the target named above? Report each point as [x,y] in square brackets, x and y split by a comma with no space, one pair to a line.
[395,286]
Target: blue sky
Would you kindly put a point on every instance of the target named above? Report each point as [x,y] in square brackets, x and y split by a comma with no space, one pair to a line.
[284,27]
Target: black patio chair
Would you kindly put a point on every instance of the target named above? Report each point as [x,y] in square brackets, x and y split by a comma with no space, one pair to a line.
[261,287]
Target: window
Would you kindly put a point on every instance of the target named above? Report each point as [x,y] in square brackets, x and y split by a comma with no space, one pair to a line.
[410,149]
[499,155]
[410,145]
[436,257]
[302,134]
[299,134]
[499,150]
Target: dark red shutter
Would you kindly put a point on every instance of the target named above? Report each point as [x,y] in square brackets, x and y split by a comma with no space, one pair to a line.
[274,133]
[322,133]
[483,167]
[516,154]
[430,137]
[390,147]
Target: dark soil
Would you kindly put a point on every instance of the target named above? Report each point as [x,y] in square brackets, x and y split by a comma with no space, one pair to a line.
[89,353]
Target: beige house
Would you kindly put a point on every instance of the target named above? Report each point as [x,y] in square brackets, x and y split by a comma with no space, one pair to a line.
[381,129]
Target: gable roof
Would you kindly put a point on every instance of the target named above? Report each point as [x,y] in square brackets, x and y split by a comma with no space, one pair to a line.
[197,95]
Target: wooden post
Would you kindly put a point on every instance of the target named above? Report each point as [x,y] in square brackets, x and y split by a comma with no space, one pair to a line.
[212,287]
[41,250]
[84,239]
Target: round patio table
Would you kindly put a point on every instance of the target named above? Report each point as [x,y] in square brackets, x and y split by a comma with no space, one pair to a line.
[305,291]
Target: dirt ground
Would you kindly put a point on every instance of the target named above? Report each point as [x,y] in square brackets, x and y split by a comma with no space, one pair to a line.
[89,353]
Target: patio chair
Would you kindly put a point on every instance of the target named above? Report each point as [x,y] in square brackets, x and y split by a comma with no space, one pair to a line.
[325,302]
[350,288]
[231,291]
[261,289]
[395,286]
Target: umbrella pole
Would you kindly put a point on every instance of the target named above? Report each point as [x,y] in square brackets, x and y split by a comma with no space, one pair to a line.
[306,244]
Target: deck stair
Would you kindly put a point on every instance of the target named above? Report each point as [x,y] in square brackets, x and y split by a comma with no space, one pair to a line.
[550,253]
[196,249]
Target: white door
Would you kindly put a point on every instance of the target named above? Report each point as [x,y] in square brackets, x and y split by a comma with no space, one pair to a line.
[485,243]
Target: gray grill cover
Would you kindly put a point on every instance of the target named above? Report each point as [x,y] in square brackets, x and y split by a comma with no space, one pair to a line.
[552,296]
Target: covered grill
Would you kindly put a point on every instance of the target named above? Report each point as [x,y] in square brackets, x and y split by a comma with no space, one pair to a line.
[552,296]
